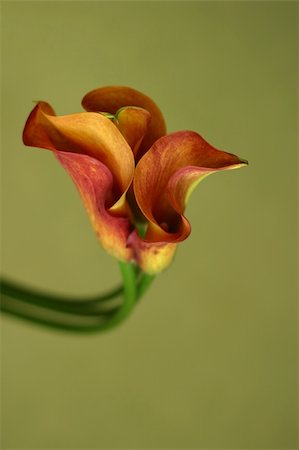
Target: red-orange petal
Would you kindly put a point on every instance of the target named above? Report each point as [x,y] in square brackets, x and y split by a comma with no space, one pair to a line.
[112,98]
[85,133]
[94,182]
[167,174]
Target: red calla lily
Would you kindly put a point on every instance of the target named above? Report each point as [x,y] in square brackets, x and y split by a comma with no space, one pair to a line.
[130,174]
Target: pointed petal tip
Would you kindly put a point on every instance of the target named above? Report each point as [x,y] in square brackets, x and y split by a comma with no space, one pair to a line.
[244,162]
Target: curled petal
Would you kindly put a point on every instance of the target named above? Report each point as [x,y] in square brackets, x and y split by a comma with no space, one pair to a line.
[167,174]
[94,182]
[112,98]
[83,133]
[133,123]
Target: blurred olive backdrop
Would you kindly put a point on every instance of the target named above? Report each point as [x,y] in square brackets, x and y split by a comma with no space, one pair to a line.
[208,359]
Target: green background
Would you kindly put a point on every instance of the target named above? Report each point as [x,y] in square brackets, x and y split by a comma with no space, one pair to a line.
[208,359]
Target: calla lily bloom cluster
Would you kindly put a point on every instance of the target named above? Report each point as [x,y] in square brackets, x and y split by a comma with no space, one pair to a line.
[133,178]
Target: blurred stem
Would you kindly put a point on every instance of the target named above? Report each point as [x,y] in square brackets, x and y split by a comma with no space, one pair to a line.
[81,306]
[128,272]
[144,283]
[88,315]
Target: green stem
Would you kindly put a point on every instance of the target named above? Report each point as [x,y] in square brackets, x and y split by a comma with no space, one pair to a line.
[62,321]
[87,315]
[128,272]
[81,306]
[145,282]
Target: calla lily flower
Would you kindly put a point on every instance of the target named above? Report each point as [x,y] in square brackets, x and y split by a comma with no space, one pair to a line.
[133,178]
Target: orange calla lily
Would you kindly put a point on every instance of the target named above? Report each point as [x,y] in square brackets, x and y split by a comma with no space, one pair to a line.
[130,174]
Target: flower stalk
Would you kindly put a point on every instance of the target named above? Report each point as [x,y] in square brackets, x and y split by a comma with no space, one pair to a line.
[86,315]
